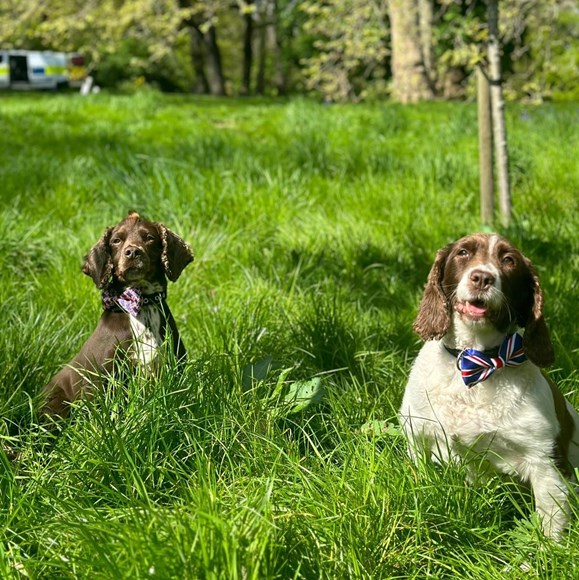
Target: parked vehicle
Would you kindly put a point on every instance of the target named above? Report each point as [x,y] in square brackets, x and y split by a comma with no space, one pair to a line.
[35,69]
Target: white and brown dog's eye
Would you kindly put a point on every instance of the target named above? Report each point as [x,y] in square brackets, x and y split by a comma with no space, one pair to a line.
[508,261]
[463,253]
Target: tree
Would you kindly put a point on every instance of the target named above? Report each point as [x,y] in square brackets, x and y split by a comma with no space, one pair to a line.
[485,147]
[426,24]
[100,29]
[275,39]
[247,10]
[216,78]
[409,74]
[347,48]
[201,17]
[264,26]
[338,49]
[200,83]
[498,113]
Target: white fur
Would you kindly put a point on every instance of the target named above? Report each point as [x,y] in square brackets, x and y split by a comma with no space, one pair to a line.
[464,293]
[505,424]
[146,329]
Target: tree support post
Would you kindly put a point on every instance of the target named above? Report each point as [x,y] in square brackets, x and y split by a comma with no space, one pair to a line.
[485,148]
[498,114]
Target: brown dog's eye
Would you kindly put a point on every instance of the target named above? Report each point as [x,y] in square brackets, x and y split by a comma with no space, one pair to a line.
[151,238]
[116,241]
[463,253]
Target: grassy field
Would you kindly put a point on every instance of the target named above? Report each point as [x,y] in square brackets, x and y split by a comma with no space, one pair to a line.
[314,228]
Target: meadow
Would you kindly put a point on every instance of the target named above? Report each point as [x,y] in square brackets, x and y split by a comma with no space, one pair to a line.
[314,228]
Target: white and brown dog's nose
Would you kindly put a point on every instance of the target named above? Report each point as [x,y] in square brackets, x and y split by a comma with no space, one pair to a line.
[481,280]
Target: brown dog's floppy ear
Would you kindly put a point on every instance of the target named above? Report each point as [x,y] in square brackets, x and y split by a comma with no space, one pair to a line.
[433,319]
[98,263]
[176,253]
[536,340]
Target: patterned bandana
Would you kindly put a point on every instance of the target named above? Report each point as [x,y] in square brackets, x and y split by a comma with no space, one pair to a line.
[476,366]
[130,300]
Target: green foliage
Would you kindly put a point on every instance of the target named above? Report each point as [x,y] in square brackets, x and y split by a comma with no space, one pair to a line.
[350,48]
[132,65]
[539,38]
[461,34]
[314,228]
[338,50]
[548,66]
[138,35]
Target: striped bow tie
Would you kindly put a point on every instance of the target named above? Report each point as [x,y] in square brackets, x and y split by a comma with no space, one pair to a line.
[476,366]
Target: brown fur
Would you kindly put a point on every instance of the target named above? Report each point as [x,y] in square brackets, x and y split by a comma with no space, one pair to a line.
[561,451]
[433,319]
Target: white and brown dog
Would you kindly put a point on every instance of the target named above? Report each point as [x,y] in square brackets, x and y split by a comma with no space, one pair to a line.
[476,391]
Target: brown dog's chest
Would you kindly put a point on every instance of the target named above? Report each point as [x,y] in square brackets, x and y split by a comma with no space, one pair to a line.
[148,333]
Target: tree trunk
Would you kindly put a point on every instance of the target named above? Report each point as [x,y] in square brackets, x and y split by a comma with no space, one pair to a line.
[426,18]
[498,113]
[262,50]
[409,76]
[216,79]
[485,148]
[200,86]
[247,54]
[275,40]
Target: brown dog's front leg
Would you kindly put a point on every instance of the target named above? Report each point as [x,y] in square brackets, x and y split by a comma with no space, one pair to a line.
[59,393]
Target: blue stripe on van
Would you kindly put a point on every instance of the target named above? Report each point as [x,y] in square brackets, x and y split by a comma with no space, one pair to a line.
[38,71]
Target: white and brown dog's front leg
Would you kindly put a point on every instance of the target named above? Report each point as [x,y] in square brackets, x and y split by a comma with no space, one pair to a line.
[551,494]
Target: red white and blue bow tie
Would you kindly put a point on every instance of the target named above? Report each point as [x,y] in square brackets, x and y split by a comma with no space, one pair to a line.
[476,366]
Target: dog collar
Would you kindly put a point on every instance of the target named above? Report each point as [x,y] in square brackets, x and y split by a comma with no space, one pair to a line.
[476,366]
[130,300]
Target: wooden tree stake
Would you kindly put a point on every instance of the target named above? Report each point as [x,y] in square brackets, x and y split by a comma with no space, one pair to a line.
[498,114]
[485,148]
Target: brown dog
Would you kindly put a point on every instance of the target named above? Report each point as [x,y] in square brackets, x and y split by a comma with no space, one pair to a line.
[130,264]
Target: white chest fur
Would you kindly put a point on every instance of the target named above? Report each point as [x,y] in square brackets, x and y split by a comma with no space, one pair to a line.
[147,338]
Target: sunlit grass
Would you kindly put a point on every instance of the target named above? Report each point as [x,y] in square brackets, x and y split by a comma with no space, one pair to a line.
[314,228]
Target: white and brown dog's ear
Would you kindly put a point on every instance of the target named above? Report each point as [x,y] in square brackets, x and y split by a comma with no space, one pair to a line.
[536,340]
[98,262]
[433,319]
[176,253]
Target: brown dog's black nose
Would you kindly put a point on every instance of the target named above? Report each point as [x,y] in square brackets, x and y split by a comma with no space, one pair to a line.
[132,252]
[481,279]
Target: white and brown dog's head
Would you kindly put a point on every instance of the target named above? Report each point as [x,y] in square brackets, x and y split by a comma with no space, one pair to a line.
[484,282]
[137,252]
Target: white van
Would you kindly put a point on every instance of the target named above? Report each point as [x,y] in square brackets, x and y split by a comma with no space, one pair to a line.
[35,69]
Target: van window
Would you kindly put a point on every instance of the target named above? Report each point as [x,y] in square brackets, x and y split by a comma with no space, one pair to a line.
[18,68]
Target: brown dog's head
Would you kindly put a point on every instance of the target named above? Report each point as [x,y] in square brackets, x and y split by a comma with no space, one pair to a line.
[137,253]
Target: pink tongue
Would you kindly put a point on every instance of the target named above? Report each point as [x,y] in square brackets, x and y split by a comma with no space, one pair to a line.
[476,311]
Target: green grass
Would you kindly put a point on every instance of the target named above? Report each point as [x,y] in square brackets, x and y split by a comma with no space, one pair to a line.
[314,228]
